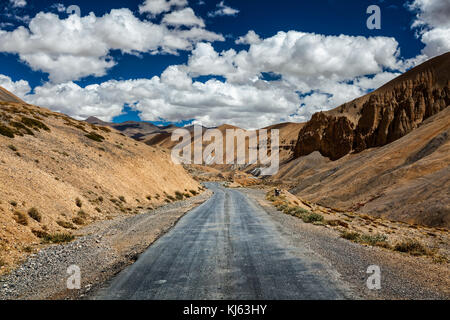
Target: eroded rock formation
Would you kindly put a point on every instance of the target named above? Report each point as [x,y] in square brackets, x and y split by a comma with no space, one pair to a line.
[380,117]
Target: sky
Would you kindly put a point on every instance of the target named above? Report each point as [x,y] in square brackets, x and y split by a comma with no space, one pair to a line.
[248,63]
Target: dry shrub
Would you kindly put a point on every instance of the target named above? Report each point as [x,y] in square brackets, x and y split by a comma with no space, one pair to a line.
[413,247]
[20,218]
[34,214]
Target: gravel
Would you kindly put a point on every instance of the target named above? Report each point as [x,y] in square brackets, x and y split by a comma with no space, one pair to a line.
[100,250]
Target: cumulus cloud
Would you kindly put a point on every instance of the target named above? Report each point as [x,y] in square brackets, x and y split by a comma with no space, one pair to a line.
[76,47]
[156,7]
[172,97]
[303,59]
[433,24]
[250,38]
[223,10]
[184,17]
[317,72]
[18,3]
[19,88]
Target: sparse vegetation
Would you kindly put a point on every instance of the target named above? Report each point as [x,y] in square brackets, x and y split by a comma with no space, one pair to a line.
[34,124]
[20,218]
[337,222]
[95,136]
[379,240]
[13,203]
[13,148]
[170,198]
[58,238]
[39,233]
[179,195]
[65,224]
[122,198]
[105,129]
[312,217]
[21,129]
[78,202]
[78,221]
[34,214]
[412,247]
[82,214]
[6,131]
[349,235]
[193,192]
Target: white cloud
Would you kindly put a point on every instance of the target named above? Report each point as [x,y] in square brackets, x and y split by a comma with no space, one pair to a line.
[434,13]
[19,88]
[433,24]
[174,96]
[156,7]
[318,72]
[18,3]
[303,59]
[76,47]
[184,17]
[250,38]
[59,7]
[223,10]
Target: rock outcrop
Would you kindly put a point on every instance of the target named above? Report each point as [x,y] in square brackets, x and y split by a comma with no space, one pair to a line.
[380,117]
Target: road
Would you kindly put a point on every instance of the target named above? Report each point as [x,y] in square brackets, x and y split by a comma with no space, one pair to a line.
[227,248]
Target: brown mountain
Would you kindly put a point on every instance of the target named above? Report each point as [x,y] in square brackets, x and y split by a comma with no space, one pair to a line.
[72,173]
[133,129]
[382,116]
[385,154]
[6,96]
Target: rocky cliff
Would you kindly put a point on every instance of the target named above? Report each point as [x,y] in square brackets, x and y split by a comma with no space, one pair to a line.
[382,116]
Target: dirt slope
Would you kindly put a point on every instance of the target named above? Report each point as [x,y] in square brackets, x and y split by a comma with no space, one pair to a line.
[406,180]
[6,96]
[382,116]
[72,173]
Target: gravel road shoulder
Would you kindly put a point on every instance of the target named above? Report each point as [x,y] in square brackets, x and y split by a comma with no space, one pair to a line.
[101,250]
[402,276]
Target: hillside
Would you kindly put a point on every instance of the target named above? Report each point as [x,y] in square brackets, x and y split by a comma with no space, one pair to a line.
[382,116]
[391,151]
[133,129]
[158,136]
[6,96]
[407,180]
[58,174]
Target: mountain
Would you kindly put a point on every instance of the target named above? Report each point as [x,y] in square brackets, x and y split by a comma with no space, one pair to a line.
[133,129]
[6,96]
[382,116]
[57,173]
[162,136]
[386,154]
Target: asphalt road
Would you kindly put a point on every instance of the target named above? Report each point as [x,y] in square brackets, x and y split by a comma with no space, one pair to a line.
[227,248]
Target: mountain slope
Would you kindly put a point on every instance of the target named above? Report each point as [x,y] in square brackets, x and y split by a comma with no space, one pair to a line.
[6,96]
[406,180]
[73,173]
[386,154]
[382,116]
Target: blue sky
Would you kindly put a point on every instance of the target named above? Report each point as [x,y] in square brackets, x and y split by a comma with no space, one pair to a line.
[179,61]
